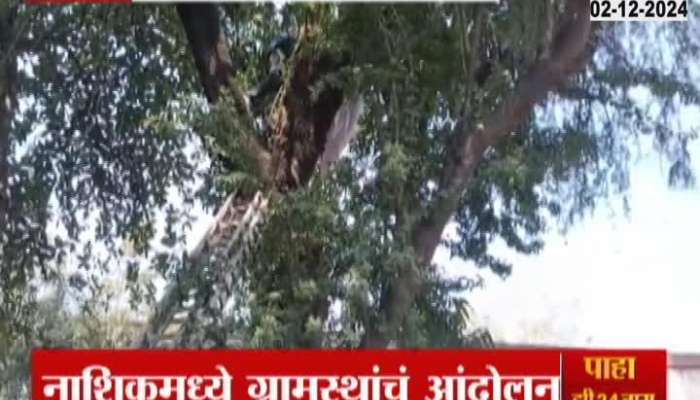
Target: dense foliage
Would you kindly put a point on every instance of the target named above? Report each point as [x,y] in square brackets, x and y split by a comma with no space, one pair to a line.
[112,151]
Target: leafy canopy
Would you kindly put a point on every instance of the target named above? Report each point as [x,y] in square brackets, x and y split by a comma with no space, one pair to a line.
[112,146]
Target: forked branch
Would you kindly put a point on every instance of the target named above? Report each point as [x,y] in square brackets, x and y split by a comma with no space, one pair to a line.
[568,54]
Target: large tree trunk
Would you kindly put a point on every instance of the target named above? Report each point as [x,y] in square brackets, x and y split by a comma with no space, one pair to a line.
[568,54]
[298,132]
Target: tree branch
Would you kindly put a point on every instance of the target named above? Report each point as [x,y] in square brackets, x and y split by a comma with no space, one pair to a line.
[299,129]
[217,71]
[208,45]
[569,52]
[8,100]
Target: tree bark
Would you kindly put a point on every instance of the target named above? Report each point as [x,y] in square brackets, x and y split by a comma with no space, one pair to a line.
[208,45]
[8,101]
[217,70]
[298,139]
[569,52]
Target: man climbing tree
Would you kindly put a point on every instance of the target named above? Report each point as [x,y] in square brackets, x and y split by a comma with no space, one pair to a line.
[569,49]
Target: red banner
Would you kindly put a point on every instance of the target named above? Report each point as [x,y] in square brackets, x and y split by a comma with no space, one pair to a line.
[345,374]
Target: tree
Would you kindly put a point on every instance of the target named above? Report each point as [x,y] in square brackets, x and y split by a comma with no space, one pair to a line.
[475,117]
